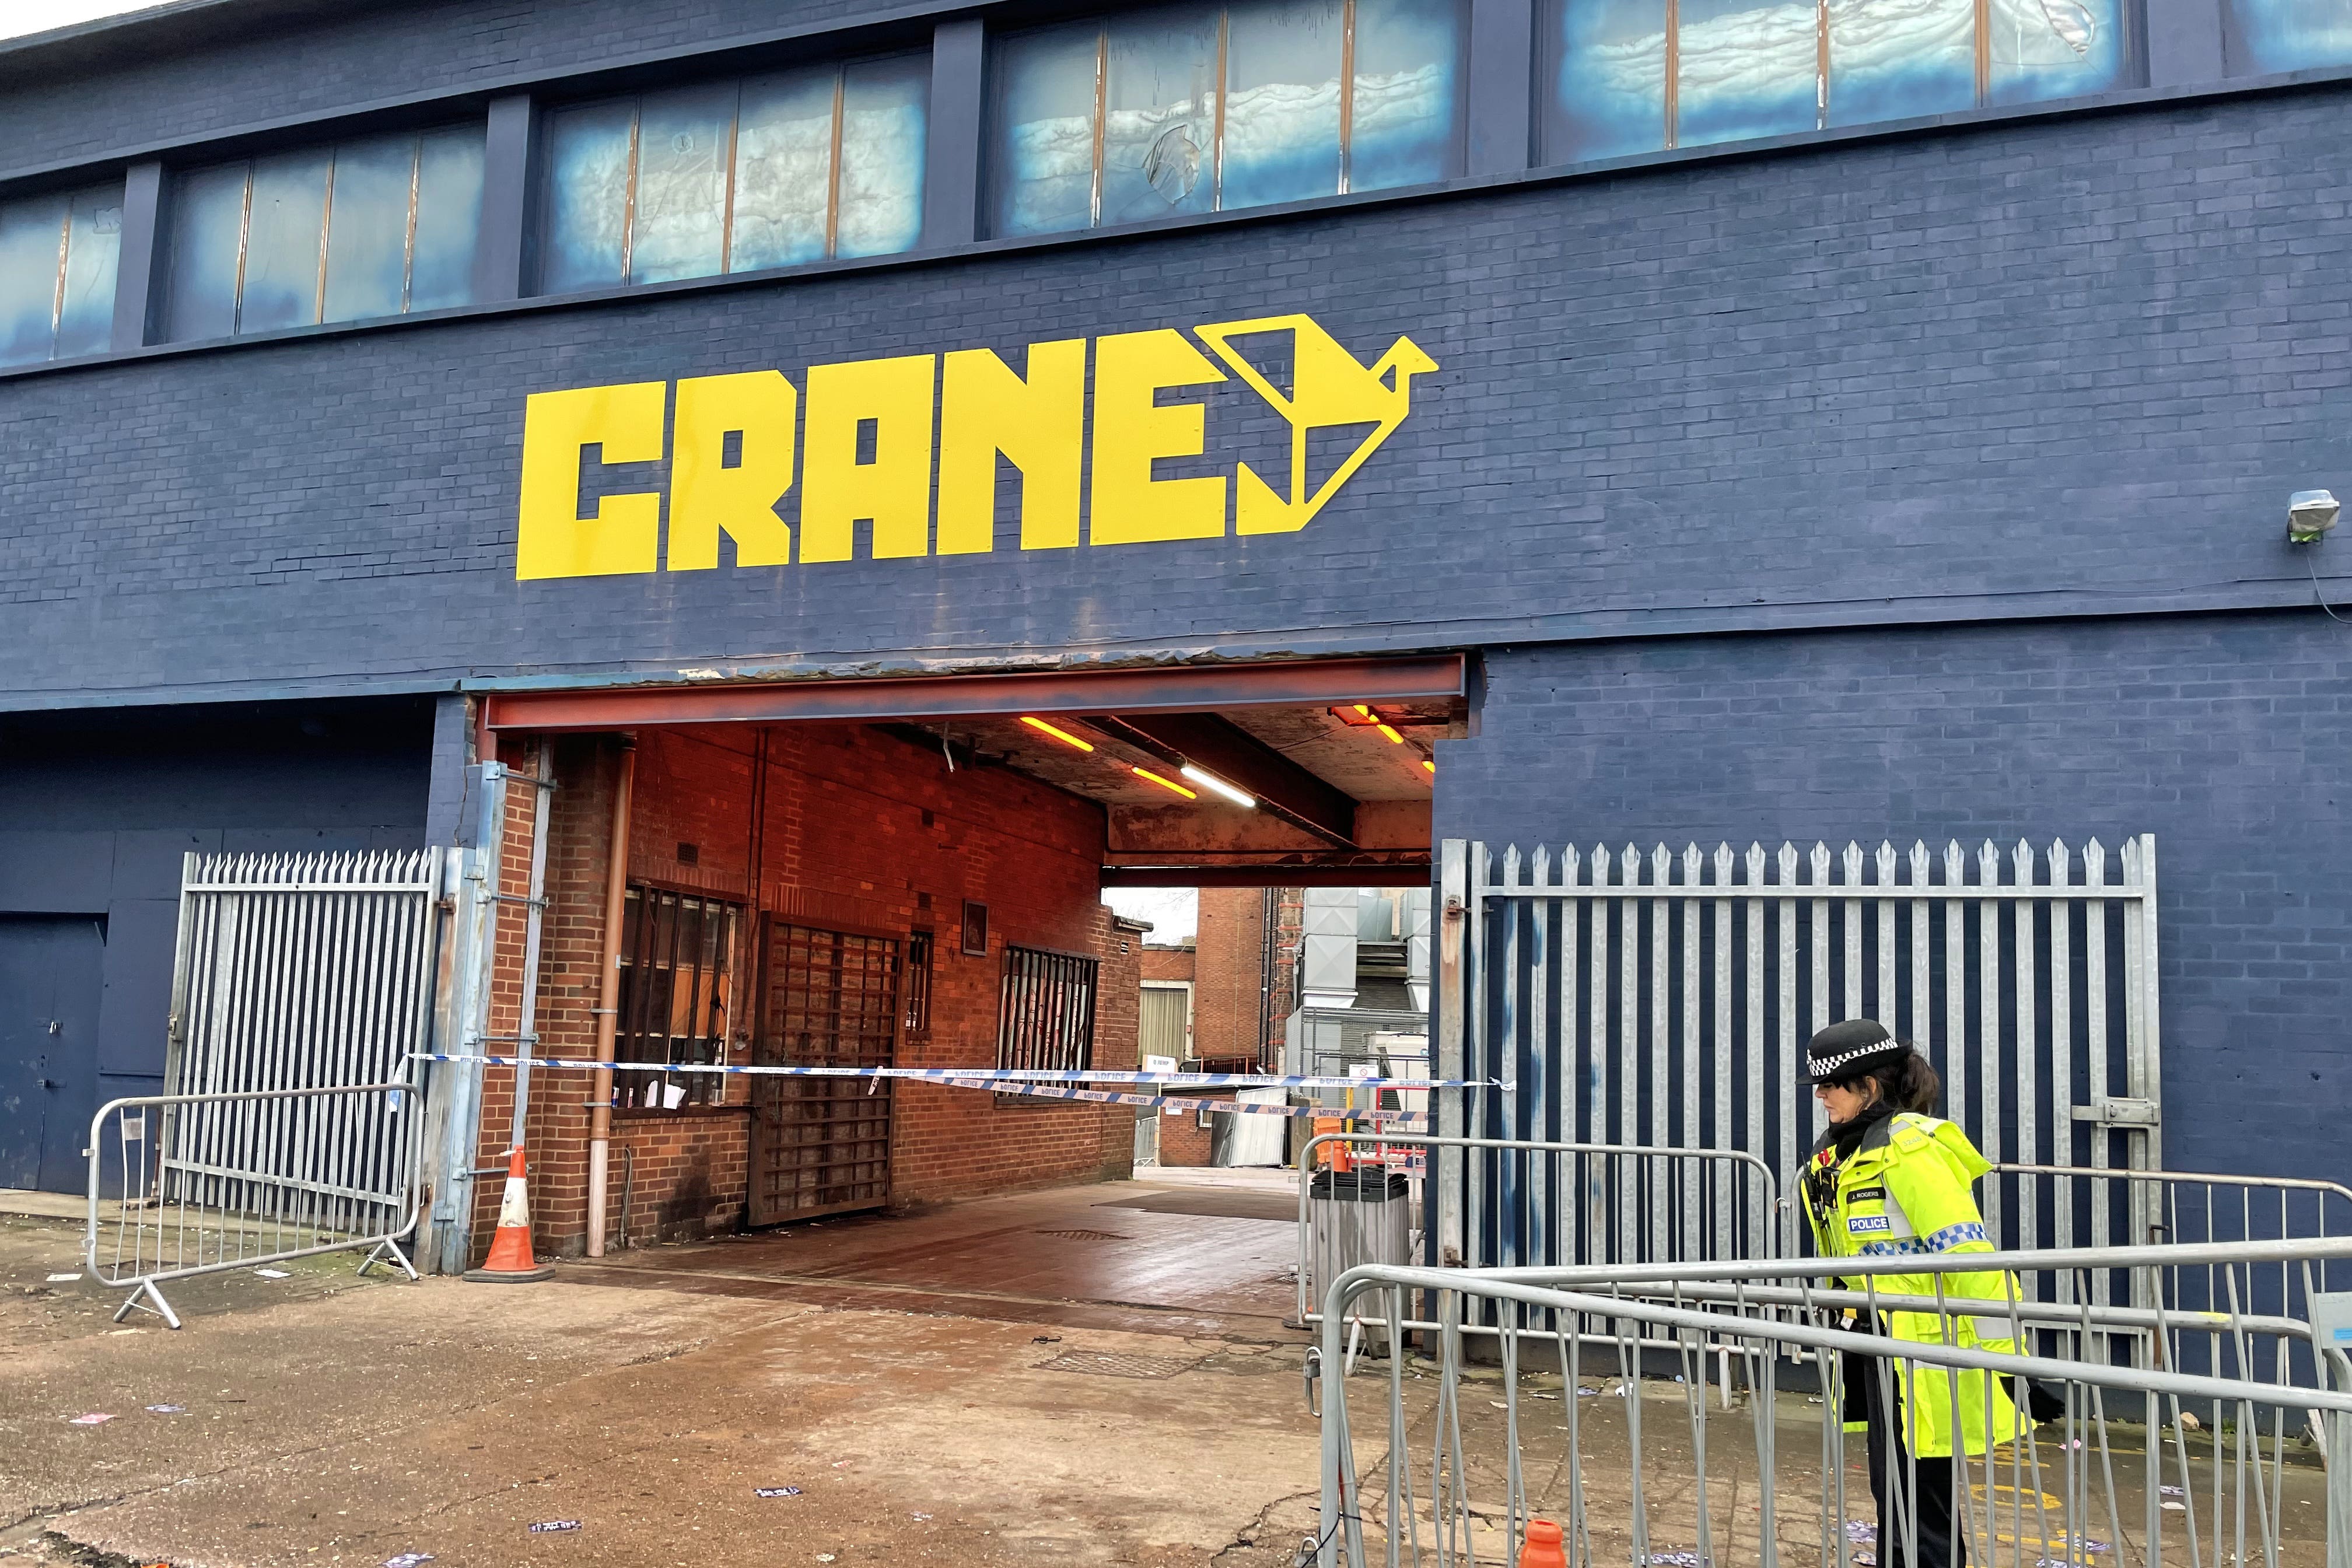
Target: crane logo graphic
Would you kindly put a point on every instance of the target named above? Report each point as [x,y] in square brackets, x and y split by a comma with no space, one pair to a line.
[1331,391]
[885,459]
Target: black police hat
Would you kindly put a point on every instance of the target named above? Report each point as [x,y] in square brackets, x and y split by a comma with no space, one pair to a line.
[1848,1050]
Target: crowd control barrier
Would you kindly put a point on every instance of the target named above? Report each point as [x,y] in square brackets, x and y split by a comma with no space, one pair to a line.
[2212,1438]
[182,1184]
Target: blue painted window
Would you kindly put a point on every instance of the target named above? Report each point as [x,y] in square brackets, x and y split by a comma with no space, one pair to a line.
[381,226]
[1636,75]
[57,257]
[1206,108]
[735,176]
[2292,35]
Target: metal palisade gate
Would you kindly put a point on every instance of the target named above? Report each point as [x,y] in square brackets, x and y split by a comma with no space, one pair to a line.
[1664,997]
[289,1125]
[303,970]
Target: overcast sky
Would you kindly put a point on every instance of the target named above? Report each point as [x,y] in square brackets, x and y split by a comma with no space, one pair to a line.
[18,17]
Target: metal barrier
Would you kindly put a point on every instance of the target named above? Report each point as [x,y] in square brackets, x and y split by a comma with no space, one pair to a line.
[182,1184]
[2133,1457]
[1617,1203]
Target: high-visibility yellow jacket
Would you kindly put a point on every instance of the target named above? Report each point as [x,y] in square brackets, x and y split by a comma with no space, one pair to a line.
[1907,1191]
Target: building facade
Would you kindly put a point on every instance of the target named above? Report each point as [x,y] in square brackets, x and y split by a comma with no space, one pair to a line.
[1518,421]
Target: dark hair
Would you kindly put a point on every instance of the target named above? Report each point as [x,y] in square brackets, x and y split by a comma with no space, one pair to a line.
[1908,1082]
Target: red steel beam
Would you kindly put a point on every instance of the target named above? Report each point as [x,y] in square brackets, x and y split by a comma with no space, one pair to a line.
[1393,875]
[1269,683]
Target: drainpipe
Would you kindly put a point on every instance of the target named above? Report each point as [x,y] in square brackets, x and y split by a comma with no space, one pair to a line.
[608,998]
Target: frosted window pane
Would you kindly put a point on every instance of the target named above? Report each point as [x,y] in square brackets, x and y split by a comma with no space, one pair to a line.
[32,235]
[367,227]
[1046,132]
[883,109]
[783,171]
[1282,103]
[2054,48]
[681,207]
[1891,59]
[2294,35]
[87,323]
[448,218]
[588,196]
[207,215]
[282,240]
[1746,70]
[1161,104]
[1613,79]
[1407,55]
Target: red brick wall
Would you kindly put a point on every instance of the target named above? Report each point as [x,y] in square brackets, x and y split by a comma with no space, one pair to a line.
[1228,975]
[1182,1140]
[824,826]
[1167,963]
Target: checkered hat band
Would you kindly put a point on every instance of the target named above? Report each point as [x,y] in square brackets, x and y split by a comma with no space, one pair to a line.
[1876,1049]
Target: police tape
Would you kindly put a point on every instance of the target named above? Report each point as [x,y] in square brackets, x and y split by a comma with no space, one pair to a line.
[1181,1102]
[960,1075]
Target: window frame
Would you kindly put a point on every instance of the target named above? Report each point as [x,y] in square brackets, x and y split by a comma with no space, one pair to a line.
[995,184]
[68,200]
[1048,1019]
[704,1091]
[917,959]
[544,174]
[168,261]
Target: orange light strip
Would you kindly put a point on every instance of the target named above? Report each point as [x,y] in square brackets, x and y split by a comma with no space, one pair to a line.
[1428,766]
[1062,735]
[1165,784]
[1394,739]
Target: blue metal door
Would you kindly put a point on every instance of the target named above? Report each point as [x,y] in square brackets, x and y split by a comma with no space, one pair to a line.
[50,984]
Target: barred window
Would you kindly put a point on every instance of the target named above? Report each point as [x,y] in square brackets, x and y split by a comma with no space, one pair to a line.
[1048,1019]
[677,953]
[918,983]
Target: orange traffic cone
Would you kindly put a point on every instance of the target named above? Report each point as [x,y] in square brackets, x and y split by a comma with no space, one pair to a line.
[510,1262]
[1542,1550]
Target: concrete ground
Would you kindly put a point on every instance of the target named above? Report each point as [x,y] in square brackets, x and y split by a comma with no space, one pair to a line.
[1087,1375]
[1096,1374]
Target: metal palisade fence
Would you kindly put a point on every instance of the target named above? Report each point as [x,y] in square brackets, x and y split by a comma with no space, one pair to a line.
[1664,997]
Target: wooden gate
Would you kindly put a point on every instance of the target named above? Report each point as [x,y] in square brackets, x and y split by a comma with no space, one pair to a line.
[821,1145]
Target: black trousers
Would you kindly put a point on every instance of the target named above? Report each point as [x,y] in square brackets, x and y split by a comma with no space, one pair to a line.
[1913,1494]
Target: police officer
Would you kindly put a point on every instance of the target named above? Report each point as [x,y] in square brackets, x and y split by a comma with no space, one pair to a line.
[1890,1179]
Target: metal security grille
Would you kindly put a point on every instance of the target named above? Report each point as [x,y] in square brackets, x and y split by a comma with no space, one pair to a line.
[918,984]
[676,996]
[1047,1022]
[1664,999]
[828,998]
[302,970]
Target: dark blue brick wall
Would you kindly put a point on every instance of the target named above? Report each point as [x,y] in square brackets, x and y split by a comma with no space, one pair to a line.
[2229,738]
[242,76]
[98,807]
[2070,365]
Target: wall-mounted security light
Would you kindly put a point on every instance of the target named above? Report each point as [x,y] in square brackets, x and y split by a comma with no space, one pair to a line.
[2309,515]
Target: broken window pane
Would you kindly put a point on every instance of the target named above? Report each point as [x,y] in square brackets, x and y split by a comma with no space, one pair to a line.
[783,169]
[32,250]
[1407,93]
[1282,103]
[1160,116]
[882,108]
[2292,35]
[1611,98]
[1746,70]
[367,237]
[284,236]
[1044,142]
[1893,59]
[588,195]
[448,218]
[207,225]
[2057,48]
[680,227]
